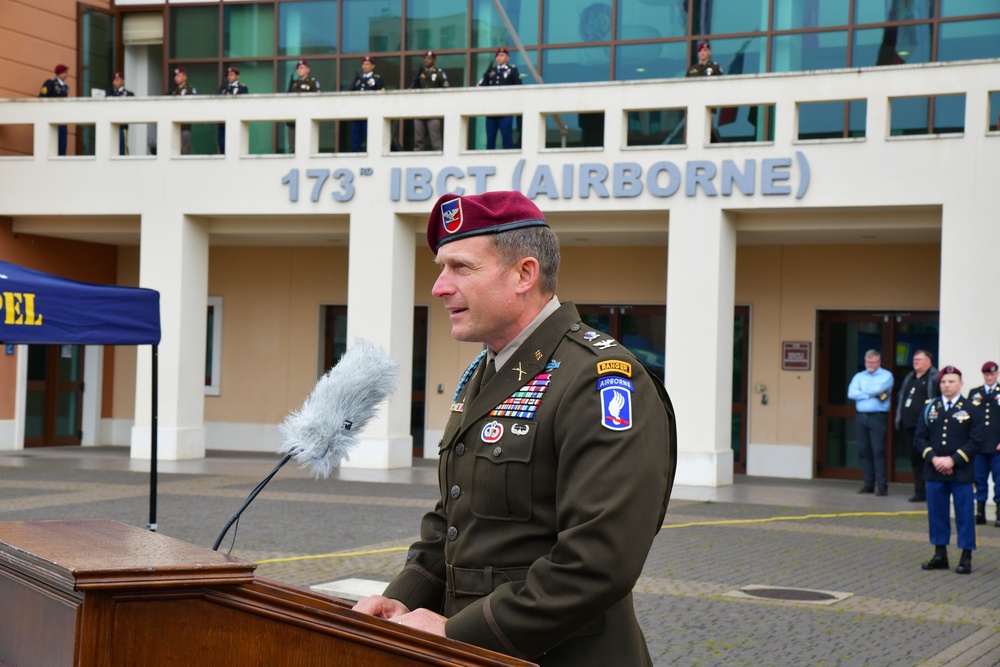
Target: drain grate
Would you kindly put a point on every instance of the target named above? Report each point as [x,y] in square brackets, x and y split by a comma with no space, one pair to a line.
[784,594]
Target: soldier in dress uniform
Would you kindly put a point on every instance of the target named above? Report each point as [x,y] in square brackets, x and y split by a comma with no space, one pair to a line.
[182,87]
[57,87]
[705,65]
[301,83]
[501,73]
[556,463]
[118,89]
[365,81]
[947,436]
[429,76]
[231,86]
[984,403]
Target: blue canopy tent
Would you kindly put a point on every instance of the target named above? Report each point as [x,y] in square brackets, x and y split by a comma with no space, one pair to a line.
[41,309]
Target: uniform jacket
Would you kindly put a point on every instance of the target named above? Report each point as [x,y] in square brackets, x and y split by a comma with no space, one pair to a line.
[54,88]
[306,85]
[120,92]
[186,89]
[430,77]
[711,68]
[952,433]
[932,390]
[234,88]
[554,480]
[501,75]
[372,83]
[985,407]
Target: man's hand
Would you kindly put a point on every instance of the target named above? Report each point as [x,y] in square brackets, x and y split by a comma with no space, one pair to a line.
[381,606]
[424,619]
[943,464]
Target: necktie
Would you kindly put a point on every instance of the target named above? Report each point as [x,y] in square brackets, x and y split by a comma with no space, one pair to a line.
[491,370]
[947,406]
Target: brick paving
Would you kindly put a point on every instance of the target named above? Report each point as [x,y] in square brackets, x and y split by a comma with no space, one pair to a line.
[304,532]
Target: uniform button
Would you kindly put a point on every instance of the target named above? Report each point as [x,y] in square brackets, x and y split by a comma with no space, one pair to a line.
[456,491]
[452,533]
[497,451]
[575,327]
[459,449]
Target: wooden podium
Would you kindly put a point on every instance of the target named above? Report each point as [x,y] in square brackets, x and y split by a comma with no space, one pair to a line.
[91,593]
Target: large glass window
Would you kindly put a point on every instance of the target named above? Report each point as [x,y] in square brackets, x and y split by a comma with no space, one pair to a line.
[307,28]
[371,26]
[573,21]
[796,14]
[641,19]
[574,65]
[892,46]
[249,31]
[872,11]
[967,7]
[488,28]
[969,40]
[809,51]
[717,17]
[651,61]
[194,32]
[440,24]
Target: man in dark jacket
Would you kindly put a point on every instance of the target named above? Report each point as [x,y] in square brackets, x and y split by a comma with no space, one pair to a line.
[918,387]
[231,86]
[984,402]
[500,73]
[946,434]
[429,76]
[57,87]
[556,463]
[118,89]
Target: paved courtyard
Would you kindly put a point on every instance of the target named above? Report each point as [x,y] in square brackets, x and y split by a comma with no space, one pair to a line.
[692,599]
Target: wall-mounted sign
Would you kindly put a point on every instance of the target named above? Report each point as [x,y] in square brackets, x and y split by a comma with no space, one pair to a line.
[796,355]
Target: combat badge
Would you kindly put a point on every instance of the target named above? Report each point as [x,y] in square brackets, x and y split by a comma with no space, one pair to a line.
[616,403]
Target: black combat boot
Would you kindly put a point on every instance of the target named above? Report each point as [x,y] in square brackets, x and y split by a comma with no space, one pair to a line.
[980,512]
[939,561]
[965,562]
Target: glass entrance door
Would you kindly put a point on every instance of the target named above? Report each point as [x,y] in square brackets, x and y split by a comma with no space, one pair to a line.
[842,340]
[53,410]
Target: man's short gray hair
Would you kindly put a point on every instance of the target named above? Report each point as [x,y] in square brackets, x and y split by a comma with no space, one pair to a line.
[538,242]
[871,354]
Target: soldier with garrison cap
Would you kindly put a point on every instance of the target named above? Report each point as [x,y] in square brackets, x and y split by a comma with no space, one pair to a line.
[984,403]
[556,463]
[946,435]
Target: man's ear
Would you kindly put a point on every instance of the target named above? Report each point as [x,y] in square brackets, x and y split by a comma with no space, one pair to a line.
[528,274]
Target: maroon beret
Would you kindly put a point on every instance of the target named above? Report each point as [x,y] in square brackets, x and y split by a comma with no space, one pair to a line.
[430,54]
[302,62]
[948,370]
[704,45]
[60,69]
[456,217]
[367,59]
[117,75]
[179,70]
[502,49]
[234,70]
[990,367]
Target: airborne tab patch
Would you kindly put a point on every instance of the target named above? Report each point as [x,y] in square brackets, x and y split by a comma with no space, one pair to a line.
[614,366]
[616,403]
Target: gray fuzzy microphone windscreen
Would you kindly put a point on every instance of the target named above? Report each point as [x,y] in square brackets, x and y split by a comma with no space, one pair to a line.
[321,434]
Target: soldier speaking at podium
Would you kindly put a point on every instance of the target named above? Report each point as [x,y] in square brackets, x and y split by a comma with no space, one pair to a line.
[556,464]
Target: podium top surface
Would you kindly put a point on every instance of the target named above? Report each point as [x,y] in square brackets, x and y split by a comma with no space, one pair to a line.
[110,554]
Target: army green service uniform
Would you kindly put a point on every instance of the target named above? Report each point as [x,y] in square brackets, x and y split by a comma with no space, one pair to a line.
[554,480]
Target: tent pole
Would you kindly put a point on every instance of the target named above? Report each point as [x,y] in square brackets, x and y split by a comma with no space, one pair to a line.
[154,427]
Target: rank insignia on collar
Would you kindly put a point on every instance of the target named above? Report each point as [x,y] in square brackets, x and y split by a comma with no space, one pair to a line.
[458,407]
[616,403]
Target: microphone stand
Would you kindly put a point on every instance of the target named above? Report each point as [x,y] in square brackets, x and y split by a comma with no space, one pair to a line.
[246,503]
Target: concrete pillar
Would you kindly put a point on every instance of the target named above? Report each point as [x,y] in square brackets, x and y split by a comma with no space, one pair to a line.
[173,260]
[380,303]
[699,356]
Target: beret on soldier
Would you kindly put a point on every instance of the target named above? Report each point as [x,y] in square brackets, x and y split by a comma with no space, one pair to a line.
[179,70]
[430,54]
[234,70]
[367,59]
[117,75]
[60,69]
[456,217]
[502,49]
[948,370]
[990,367]
[704,45]
[302,62]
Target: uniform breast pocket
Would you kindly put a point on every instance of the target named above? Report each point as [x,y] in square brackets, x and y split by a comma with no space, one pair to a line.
[501,488]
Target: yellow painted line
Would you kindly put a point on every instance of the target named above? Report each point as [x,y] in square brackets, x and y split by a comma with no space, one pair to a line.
[802,517]
[341,555]
[726,522]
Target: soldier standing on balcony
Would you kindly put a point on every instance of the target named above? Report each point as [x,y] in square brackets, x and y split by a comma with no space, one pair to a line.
[301,83]
[118,90]
[370,82]
[57,87]
[232,86]
[500,74]
[182,87]
[429,76]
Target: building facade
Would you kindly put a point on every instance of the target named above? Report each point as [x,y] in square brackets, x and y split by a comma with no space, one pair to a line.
[750,236]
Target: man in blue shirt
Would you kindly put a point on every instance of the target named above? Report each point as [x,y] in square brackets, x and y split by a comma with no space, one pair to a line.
[871,390]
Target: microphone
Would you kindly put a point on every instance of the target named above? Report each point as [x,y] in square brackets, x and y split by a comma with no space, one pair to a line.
[321,434]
